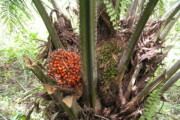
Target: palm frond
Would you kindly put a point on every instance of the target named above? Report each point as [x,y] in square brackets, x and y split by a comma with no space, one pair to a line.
[88,33]
[49,25]
[134,38]
[13,13]
[170,82]
[167,29]
[168,19]
[162,78]
[170,13]
[132,13]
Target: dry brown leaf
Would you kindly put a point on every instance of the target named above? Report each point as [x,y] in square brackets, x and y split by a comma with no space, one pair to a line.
[115,58]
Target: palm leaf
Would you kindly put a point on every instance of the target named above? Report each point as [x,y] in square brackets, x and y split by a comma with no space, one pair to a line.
[88,33]
[170,82]
[134,38]
[13,13]
[167,29]
[49,25]
[162,78]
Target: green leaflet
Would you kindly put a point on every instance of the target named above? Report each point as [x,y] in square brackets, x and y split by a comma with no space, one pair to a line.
[108,10]
[112,13]
[108,5]
[106,1]
[151,104]
[113,18]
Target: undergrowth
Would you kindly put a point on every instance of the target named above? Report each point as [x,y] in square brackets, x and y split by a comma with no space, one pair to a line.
[15,79]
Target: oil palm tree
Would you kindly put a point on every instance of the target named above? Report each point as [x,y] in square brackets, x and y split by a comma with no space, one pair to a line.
[119,58]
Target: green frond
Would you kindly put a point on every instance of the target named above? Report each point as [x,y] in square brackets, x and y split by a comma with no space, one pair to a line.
[13,13]
[170,82]
[21,5]
[49,25]
[123,63]
[112,13]
[123,7]
[151,104]
[88,40]
[161,7]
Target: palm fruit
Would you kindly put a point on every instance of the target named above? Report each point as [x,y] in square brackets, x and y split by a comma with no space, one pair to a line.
[65,68]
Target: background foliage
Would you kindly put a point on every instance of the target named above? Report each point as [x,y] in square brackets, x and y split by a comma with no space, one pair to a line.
[20,25]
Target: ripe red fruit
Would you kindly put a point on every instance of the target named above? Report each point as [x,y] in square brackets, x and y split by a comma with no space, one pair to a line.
[65,68]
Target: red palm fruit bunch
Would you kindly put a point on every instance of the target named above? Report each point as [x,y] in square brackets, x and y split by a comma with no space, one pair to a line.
[65,68]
